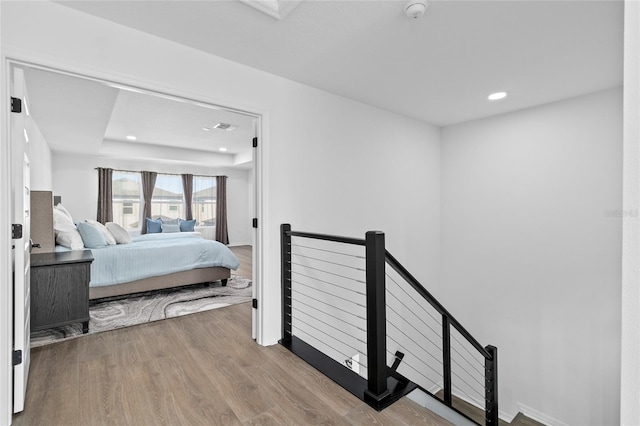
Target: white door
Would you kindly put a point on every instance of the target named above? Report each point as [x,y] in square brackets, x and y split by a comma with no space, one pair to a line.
[254,238]
[20,176]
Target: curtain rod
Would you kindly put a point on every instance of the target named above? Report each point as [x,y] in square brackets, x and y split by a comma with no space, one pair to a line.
[160,173]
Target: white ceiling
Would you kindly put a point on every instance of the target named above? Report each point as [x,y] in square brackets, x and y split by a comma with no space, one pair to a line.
[70,112]
[84,116]
[167,122]
[439,69]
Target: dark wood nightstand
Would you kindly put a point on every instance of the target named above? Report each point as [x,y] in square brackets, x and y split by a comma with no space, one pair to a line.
[60,289]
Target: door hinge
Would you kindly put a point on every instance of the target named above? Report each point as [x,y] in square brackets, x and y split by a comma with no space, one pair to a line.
[16,231]
[255,142]
[255,222]
[16,105]
[17,357]
[254,303]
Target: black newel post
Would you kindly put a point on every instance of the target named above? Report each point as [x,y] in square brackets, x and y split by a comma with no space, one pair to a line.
[446,358]
[376,317]
[491,386]
[285,259]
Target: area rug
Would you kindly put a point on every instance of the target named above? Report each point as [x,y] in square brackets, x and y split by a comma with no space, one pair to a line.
[124,311]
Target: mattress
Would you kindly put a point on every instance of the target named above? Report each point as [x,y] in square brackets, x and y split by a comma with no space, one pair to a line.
[153,255]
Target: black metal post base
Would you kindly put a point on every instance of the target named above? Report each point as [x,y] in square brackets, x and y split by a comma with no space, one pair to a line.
[398,386]
[376,401]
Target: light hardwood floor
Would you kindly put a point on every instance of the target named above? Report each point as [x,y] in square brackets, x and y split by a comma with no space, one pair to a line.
[200,369]
[245,256]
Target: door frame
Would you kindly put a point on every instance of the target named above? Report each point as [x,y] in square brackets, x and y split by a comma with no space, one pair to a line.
[6,204]
[6,282]
[21,188]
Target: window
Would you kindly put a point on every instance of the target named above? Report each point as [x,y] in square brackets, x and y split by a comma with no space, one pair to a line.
[167,201]
[204,200]
[126,193]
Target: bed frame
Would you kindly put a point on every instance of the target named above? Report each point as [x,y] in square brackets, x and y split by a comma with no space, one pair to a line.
[177,279]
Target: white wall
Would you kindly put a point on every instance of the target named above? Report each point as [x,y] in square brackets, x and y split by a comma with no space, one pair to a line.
[330,164]
[630,363]
[76,180]
[39,157]
[532,248]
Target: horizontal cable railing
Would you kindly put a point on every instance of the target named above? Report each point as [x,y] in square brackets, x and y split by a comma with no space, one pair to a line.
[348,302]
[325,291]
[427,334]
[402,271]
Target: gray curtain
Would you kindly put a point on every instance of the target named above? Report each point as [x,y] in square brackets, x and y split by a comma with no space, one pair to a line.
[187,187]
[105,195]
[148,183]
[222,233]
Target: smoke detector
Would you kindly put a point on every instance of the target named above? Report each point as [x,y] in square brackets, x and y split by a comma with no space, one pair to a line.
[414,9]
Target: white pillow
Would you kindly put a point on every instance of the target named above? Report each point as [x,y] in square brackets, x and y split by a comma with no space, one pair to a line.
[167,227]
[119,233]
[107,235]
[66,232]
[61,208]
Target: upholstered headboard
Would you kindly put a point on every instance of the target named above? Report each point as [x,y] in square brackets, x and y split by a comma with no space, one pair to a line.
[42,221]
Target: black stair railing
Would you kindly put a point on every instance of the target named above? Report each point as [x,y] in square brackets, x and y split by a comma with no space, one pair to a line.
[376,319]
[489,353]
[322,305]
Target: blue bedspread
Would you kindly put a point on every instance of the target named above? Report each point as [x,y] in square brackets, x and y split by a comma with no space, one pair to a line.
[153,255]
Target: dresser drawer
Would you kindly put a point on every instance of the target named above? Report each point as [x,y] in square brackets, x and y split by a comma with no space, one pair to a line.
[59,292]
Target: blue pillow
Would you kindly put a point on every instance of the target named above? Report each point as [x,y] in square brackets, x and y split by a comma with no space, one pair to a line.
[170,228]
[92,236]
[154,226]
[187,225]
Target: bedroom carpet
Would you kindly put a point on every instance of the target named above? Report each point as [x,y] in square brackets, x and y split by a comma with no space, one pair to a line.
[124,311]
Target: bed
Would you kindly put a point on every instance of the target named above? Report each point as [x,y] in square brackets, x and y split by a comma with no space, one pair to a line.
[158,261]
[150,261]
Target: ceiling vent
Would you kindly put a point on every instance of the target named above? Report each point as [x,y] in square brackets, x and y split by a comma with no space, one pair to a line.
[225,126]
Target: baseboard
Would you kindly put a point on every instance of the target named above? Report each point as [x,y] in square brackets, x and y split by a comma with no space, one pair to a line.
[238,244]
[508,417]
[421,397]
[435,389]
[503,415]
[538,416]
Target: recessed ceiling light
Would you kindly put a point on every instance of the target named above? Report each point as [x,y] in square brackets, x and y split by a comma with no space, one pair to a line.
[131,138]
[497,96]
[223,149]
[225,126]
[206,129]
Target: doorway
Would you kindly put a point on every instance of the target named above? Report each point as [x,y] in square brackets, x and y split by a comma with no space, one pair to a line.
[253,197]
